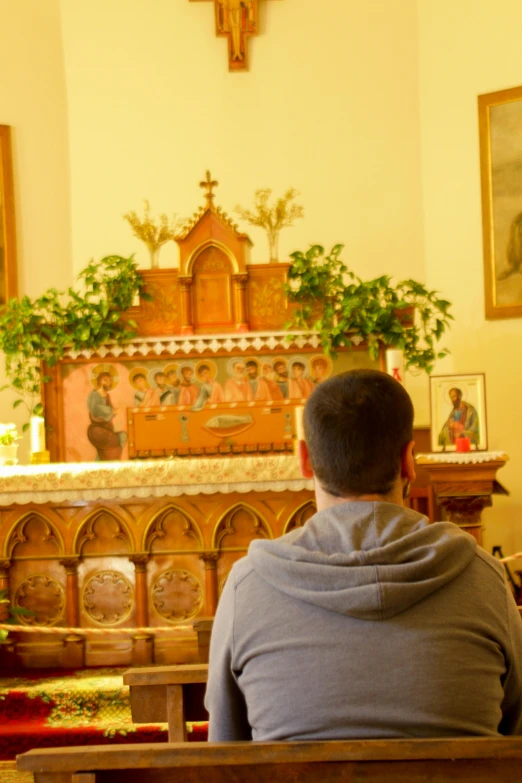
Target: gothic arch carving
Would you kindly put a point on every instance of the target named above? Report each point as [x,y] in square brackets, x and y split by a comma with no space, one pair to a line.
[172,529]
[300,516]
[238,526]
[33,535]
[189,268]
[103,533]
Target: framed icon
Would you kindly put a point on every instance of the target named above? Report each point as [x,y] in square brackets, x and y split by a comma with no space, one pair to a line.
[458,410]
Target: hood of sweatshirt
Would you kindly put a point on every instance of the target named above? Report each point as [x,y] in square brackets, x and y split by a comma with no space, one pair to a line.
[369,560]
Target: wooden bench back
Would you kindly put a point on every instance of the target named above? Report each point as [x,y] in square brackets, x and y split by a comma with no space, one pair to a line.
[481,760]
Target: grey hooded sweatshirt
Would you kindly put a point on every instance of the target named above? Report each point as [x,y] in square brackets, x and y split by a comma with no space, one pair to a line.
[367,622]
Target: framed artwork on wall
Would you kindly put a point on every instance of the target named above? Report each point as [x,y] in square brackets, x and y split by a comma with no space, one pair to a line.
[8,272]
[500,130]
[458,412]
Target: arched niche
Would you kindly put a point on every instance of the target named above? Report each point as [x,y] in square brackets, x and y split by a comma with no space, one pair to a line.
[213,301]
[239,526]
[34,536]
[301,515]
[103,533]
[172,530]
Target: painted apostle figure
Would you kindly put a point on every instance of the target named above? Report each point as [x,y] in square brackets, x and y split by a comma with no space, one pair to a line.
[108,443]
[462,422]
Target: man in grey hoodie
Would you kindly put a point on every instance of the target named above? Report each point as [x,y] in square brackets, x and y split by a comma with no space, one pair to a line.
[368,621]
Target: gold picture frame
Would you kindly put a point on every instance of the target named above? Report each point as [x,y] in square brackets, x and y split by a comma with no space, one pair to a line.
[500,128]
[8,269]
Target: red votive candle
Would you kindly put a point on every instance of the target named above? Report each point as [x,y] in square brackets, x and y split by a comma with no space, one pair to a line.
[463,444]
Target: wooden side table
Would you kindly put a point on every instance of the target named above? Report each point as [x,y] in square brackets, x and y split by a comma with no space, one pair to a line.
[464,484]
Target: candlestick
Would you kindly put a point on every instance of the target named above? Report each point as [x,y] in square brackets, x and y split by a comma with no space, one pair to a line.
[37,434]
[395,364]
[299,424]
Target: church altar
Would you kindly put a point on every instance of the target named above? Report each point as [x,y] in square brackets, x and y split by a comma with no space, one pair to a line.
[209,387]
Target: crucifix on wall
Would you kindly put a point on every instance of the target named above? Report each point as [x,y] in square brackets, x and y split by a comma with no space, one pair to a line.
[236,20]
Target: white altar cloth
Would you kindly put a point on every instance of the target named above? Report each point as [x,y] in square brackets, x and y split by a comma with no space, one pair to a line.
[89,481]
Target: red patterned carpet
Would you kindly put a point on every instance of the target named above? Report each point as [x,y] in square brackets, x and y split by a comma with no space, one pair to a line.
[56,708]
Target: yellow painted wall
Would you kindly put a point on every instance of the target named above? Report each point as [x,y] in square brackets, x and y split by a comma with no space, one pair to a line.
[467,48]
[329,106]
[33,102]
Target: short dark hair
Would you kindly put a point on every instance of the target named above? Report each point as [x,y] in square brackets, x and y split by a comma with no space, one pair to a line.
[102,375]
[356,427]
[203,368]
[139,375]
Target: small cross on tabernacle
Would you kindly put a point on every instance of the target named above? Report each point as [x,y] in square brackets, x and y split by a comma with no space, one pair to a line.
[208,184]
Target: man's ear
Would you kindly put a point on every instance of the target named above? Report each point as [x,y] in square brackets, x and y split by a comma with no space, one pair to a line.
[408,462]
[304,460]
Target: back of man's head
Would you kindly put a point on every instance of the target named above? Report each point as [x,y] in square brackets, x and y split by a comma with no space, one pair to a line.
[356,427]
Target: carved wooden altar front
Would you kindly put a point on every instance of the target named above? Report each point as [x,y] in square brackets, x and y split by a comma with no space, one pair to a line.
[135,563]
[137,545]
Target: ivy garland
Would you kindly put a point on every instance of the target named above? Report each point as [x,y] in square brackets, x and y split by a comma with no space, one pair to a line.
[37,332]
[331,300]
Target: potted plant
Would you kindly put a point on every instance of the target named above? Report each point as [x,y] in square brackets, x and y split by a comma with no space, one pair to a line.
[154,234]
[8,445]
[405,315]
[273,218]
[36,332]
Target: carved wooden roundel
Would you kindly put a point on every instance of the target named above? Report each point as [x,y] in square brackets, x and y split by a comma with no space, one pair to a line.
[43,596]
[177,595]
[108,597]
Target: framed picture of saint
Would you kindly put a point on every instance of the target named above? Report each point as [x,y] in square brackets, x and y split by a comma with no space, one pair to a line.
[458,412]
[500,130]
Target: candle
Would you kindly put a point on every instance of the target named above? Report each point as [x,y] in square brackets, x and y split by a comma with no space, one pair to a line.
[299,424]
[463,444]
[395,364]
[37,434]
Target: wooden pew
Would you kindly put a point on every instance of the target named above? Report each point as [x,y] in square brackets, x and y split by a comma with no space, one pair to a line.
[168,694]
[480,760]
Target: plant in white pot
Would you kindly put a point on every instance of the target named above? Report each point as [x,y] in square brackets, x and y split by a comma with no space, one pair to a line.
[8,445]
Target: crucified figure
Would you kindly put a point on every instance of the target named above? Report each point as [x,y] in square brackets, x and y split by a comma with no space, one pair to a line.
[234,20]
